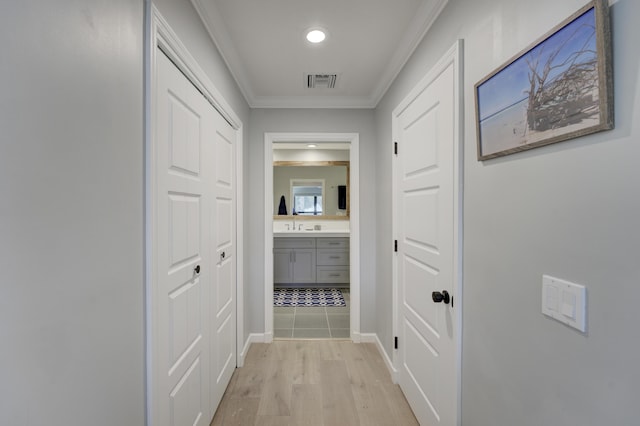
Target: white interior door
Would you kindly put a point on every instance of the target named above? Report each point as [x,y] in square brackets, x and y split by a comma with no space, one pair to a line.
[183,269]
[223,284]
[425,223]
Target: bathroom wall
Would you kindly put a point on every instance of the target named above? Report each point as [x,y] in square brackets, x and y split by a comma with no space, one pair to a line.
[310,120]
[310,155]
[569,210]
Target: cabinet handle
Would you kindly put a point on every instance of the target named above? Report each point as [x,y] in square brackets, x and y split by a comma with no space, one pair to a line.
[334,257]
[334,275]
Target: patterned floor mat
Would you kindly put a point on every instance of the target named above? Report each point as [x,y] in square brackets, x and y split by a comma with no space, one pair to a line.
[308,297]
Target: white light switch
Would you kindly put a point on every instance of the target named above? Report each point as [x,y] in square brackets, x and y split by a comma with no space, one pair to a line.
[564,301]
[569,305]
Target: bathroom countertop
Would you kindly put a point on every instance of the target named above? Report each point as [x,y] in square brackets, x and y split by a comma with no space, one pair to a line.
[307,234]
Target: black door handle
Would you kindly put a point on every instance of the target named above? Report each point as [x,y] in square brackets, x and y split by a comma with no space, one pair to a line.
[441,297]
[197,269]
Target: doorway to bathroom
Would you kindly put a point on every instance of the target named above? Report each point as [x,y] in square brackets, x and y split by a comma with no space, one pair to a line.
[312,273]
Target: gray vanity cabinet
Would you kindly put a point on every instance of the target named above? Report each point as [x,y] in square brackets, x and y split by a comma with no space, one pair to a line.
[332,260]
[294,260]
[323,261]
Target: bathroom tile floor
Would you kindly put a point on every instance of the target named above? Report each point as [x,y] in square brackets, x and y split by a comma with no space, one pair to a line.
[312,322]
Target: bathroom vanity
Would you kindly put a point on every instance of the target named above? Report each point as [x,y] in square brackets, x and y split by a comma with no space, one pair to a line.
[294,260]
[313,259]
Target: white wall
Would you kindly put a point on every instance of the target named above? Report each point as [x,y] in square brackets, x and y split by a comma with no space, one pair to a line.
[310,120]
[71,215]
[569,210]
[184,20]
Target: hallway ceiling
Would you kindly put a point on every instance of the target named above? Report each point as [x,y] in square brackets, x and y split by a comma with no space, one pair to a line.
[368,41]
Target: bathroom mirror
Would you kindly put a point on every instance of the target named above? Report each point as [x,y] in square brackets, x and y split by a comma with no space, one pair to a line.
[311,190]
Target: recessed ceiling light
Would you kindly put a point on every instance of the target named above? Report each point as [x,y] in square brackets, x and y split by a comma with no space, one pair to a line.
[312,145]
[316,36]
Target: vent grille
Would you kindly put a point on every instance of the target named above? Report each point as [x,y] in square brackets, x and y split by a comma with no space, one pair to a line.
[318,81]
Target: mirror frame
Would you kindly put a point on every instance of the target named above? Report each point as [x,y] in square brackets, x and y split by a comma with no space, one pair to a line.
[316,164]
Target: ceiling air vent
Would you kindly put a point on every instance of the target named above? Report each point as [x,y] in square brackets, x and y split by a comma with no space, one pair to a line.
[318,81]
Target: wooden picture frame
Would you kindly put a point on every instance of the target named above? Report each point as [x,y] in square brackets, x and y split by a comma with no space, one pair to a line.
[558,88]
[331,163]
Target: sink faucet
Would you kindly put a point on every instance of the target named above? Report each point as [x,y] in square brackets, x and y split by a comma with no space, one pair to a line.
[288,226]
[299,227]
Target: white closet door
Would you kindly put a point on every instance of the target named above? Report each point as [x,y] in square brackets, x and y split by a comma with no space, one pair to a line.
[183,268]
[223,280]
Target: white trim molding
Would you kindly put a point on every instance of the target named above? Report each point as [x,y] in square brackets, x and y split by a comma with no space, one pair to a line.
[354,218]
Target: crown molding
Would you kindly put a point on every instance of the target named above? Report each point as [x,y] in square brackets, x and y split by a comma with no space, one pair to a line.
[345,102]
[218,32]
[421,23]
[216,27]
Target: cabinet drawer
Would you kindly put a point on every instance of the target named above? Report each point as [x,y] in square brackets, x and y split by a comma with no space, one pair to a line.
[294,243]
[332,274]
[334,243]
[332,257]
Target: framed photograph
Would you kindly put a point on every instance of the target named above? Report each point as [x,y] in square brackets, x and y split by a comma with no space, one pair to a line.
[558,88]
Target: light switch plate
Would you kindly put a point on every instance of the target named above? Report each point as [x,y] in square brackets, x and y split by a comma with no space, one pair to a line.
[564,301]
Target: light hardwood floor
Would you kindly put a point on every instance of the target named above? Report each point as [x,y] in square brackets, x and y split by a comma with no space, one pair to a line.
[313,383]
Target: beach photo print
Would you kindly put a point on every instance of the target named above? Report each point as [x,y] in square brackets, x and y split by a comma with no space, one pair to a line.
[559,88]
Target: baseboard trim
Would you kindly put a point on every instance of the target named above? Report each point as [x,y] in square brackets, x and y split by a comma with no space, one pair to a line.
[368,337]
[373,338]
[251,338]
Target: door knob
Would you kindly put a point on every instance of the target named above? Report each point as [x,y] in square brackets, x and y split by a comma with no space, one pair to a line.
[197,269]
[441,297]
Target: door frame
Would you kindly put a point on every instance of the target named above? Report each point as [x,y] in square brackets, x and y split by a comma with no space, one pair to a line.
[354,221]
[453,56]
[158,34]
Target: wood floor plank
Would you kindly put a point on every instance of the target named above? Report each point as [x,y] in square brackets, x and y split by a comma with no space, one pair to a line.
[249,382]
[306,366]
[273,421]
[375,362]
[306,405]
[236,412]
[330,350]
[250,378]
[375,410]
[313,383]
[286,350]
[365,386]
[398,405]
[275,398]
[258,351]
[338,405]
